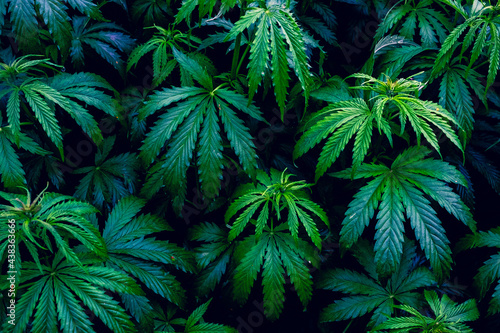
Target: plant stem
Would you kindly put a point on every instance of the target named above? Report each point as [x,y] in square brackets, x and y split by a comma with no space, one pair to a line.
[242,57]
[236,55]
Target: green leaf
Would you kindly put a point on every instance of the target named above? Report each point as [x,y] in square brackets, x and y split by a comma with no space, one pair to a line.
[259,55]
[273,281]
[197,314]
[11,168]
[210,153]
[247,270]
[196,71]
[399,190]
[390,228]
[350,307]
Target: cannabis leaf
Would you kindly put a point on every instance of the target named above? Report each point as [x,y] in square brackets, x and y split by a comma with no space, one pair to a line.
[111,179]
[448,316]
[193,324]
[130,249]
[433,25]
[50,215]
[193,123]
[454,95]
[269,198]
[106,38]
[401,190]
[483,25]
[490,271]
[153,11]
[38,97]
[204,8]
[371,293]
[323,28]
[11,167]
[275,253]
[212,257]
[56,297]
[276,28]
[24,22]
[355,117]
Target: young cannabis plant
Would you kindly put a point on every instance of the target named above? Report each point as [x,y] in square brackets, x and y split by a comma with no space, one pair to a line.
[389,99]
[448,317]
[56,297]
[273,194]
[275,29]
[271,248]
[400,190]
[483,23]
[372,293]
[194,124]
[49,215]
[490,271]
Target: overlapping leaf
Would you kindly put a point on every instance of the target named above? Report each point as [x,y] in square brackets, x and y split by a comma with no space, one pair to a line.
[480,21]
[49,219]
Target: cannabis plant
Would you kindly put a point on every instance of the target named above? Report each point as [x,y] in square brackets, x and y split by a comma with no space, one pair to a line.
[25,16]
[49,222]
[164,62]
[374,293]
[33,97]
[433,25]
[107,39]
[448,316]
[213,257]
[133,250]
[275,246]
